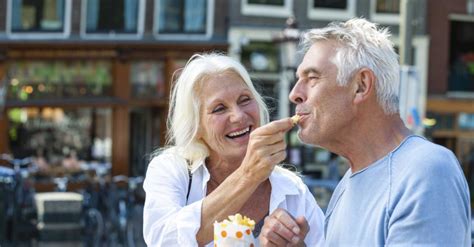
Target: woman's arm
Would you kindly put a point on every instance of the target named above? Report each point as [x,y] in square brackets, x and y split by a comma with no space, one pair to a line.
[167,220]
[266,148]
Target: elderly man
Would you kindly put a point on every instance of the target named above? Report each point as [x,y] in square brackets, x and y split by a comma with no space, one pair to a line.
[400,189]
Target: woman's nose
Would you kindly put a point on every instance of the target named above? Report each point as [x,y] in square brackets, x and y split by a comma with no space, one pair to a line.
[297,94]
[237,115]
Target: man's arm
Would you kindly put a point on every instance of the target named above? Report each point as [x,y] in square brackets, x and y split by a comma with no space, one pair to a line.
[431,206]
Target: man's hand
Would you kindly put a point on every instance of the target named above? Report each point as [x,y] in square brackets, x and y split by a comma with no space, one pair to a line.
[281,229]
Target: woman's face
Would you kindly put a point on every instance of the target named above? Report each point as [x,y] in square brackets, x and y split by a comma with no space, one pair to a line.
[228,113]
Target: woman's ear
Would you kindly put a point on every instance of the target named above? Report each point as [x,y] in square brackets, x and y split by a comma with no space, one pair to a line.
[199,134]
[364,85]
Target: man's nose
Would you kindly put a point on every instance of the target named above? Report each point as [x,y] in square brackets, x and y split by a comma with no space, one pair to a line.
[297,94]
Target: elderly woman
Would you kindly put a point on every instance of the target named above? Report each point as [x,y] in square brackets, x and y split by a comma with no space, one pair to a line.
[220,160]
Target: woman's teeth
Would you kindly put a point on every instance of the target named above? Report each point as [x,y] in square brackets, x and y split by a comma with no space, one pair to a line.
[238,133]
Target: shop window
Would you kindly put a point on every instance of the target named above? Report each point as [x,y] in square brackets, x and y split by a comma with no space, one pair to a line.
[331,9]
[114,18]
[178,17]
[385,11]
[270,8]
[58,79]
[145,129]
[61,138]
[147,79]
[441,121]
[461,73]
[38,17]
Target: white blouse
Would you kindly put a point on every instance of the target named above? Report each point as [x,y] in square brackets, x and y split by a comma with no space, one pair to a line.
[168,220]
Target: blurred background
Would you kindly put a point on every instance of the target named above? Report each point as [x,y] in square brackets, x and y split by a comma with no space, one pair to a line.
[84,88]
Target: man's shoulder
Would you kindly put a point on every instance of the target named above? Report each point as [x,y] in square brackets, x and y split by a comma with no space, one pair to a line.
[418,159]
[417,152]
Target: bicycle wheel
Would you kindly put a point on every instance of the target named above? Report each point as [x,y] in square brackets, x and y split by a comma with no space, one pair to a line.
[135,227]
[94,227]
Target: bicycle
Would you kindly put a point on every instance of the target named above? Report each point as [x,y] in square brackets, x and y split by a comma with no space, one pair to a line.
[98,198]
[6,200]
[20,208]
[91,218]
[129,211]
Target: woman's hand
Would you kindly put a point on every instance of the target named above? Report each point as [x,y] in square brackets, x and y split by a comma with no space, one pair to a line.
[266,148]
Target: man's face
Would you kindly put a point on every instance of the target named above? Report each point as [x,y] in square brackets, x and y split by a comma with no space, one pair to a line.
[325,107]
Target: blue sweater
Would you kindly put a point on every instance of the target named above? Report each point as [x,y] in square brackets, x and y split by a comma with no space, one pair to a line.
[415,195]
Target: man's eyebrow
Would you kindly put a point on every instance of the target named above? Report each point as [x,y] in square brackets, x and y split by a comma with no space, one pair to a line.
[308,71]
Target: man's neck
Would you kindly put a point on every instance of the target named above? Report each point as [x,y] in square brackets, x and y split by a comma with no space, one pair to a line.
[373,141]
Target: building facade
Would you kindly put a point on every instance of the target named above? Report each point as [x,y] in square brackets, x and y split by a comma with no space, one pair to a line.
[89,79]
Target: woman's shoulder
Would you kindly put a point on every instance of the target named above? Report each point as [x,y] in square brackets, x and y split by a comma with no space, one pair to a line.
[167,159]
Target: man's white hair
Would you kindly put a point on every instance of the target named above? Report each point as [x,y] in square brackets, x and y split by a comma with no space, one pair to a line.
[183,120]
[361,44]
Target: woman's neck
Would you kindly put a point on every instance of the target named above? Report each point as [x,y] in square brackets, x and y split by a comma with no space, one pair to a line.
[220,168]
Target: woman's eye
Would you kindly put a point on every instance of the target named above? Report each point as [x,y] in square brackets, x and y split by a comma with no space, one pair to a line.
[245,100]
[218,109]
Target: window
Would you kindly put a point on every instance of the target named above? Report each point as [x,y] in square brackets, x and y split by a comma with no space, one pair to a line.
[387,6]
[331,4]
[267,2]
[178,17]
[38,18]
[331,9]
[461,61]
[385,11]
[113,18]
[44,79]
[147,79]
[270,8]
[61,137]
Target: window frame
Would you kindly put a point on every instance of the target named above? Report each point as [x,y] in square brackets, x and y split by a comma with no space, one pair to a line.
[247,9]
[184,36]
[457,93]
[113,35]
[393,19]
[40,35]
[331,14]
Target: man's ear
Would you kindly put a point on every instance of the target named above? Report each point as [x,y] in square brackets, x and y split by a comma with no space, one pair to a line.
[364,85]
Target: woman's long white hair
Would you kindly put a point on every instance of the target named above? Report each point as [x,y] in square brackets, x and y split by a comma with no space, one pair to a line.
[184,106]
